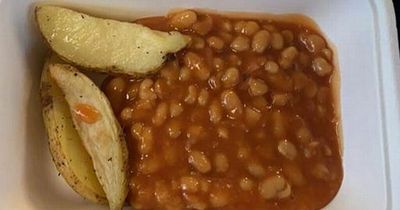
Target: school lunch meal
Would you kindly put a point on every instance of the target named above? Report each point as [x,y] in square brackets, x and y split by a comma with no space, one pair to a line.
[196,110]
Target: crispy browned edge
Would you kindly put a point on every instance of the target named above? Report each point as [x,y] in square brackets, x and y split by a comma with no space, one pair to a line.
[55,147]
[106,70]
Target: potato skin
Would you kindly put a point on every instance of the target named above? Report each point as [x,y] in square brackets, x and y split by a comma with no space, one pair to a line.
[105,45]
[102,136]
[67,151]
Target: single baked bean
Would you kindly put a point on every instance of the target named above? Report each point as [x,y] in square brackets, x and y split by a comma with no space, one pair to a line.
[197,43]
[250,28]
[114,91]
[149,165]
[314,43]
[146,90]
[194,133]
[327,53]
[303,134]
[223,132]
[311,89]
[126,114]
[321,67]
[219,198]
[227,37]
[191,96]
[160,88]
[143,104]
[261,41]
[146,141]
[240,43]
[239,26]
[116,85]
[203,25]
[294,174]
[203,72]
[300,80]
[311,149]
[274,187]
[280,81]
[175,109]
[230,78]
[304,59]
[218,63]
[143,110]
[183,20]
[170,74]
[288,56]
[287,149]
[161,114]
[234,60]
[252,116]
[288,36]
[174,128]
[190,184]
[215,112]
[184,74]
[259,102]
[199,161]
[320,171]
[221,162]
[256,169]
[192,60]
[271,67]
[280,99]
[277,41]
[144,135]
[203,97]
[136,130]
[232,104]
[257,87]
[216,42]
[246,184]
[204,185]
[226,25]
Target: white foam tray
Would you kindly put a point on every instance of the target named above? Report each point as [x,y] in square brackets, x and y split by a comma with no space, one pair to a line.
[363,31]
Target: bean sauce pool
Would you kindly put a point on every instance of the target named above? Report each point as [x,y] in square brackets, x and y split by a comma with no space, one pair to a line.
[243,118]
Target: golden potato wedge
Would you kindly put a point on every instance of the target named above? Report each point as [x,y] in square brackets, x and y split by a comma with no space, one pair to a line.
[66,148]
[106,45]
[98,128]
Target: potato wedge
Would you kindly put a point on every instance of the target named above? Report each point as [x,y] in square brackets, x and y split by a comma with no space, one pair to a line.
[106,45]
[66,148]
[98,128]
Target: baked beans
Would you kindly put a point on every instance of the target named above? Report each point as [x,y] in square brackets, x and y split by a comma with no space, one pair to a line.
[243,118]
